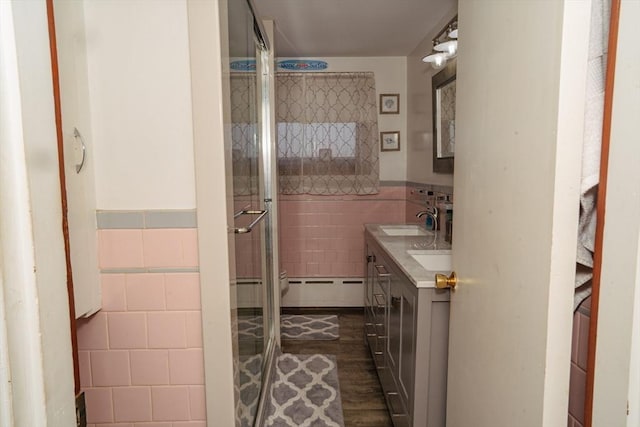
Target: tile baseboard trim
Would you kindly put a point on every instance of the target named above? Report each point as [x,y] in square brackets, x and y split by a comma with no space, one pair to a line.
[393,183]
[448,189]
[146,219]
[186,218]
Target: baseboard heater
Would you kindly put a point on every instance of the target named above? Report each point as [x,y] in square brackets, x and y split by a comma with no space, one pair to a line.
[324,292]
[333,281]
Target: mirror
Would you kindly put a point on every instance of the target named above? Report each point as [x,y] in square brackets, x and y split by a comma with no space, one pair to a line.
[443,94]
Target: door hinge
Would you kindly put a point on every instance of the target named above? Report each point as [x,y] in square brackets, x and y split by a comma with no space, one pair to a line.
[371,258]
[81,410]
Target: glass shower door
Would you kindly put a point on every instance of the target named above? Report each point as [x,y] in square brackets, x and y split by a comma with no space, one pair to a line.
[254,306]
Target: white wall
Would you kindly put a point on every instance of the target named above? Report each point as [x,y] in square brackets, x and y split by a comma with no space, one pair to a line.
[138,60]
[391,77]
[419,113]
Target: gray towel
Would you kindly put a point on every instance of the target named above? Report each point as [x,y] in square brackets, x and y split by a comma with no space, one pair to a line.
[593,115]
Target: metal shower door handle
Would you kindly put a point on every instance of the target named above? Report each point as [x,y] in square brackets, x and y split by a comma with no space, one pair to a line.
[261,214]
[78,137]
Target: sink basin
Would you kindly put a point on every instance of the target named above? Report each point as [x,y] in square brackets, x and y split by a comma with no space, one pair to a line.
[404,230]
[431,260]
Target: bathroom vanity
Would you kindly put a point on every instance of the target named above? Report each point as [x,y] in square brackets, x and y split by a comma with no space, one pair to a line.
[407,320]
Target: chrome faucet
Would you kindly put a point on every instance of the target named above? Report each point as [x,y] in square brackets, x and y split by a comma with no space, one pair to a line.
[432,212]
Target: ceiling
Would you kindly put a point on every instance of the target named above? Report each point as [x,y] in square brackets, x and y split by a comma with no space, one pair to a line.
[321,28]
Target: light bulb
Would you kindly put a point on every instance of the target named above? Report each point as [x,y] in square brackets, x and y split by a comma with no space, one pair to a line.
[436,59]
[450,47]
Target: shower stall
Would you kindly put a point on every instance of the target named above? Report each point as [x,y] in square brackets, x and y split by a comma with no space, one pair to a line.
[255,326]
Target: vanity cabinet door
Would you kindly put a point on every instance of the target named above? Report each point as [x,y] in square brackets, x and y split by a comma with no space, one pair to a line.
[406,376]
[376,307]
[394,327]
[369,318]
[368,288]
[369,330]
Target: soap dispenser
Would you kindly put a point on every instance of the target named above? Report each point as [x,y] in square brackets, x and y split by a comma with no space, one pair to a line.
[448,222]
[430,203]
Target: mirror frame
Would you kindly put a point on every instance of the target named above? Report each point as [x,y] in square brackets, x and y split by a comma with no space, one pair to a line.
[442,78]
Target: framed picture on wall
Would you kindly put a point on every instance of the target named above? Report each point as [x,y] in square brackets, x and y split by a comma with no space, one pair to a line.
[390,103]
[390,141]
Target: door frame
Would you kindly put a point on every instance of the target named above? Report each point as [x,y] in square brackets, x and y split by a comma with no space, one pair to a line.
[63,191]
[32,262]
[616,399]
[209,64]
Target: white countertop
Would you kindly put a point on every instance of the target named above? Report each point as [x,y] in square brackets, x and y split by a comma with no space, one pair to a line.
[397,247]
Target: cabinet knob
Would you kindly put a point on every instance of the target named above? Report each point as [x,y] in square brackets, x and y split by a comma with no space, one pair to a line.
[444,282]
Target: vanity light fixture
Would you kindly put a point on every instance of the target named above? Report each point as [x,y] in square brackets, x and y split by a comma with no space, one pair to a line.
[436,59]
[449,46]
[445,45]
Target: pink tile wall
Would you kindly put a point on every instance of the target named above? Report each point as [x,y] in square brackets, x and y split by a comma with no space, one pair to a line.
[579,347]
[323,236]
[413,208]
[247,248]
[141,361]
[148,248]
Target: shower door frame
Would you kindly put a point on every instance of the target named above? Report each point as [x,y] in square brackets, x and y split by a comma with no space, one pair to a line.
[268,201]
[210,67]
[266,89]
[270,296]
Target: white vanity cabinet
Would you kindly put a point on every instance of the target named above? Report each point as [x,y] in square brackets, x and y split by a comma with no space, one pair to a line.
[406,329]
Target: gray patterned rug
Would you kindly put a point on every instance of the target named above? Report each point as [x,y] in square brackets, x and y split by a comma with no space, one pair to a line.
[305,393]
[248,389]
[309,327]
[293,327]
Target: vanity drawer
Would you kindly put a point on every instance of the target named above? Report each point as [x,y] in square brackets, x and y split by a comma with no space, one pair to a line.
[395,403]
[380,327]
[378,359]
[376,343]
[397,410]
[369,333]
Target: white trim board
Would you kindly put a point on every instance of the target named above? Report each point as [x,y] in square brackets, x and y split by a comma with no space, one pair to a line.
[324,292]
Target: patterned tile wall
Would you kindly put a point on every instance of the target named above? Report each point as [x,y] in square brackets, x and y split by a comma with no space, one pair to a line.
[141,356]
[579,346]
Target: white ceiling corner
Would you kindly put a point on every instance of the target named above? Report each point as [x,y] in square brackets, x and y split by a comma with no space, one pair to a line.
[351,28]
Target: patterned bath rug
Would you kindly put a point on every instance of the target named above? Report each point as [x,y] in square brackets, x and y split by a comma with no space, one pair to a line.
[309,327]
[250,327]
[305,393]
[248,389]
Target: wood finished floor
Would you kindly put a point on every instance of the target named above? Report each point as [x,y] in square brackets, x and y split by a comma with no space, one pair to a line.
[363,403]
